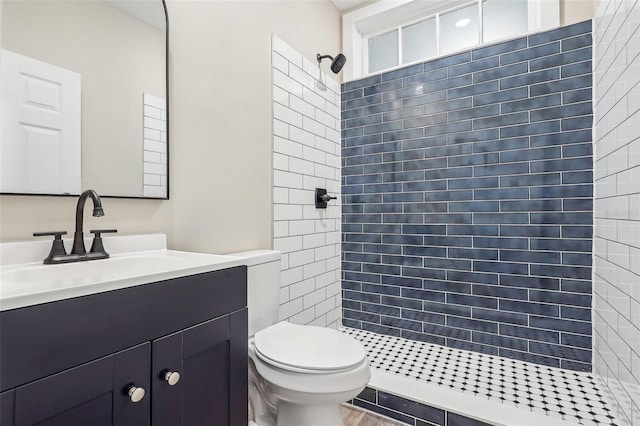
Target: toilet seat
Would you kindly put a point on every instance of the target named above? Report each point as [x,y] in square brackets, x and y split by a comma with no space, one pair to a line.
[308,349]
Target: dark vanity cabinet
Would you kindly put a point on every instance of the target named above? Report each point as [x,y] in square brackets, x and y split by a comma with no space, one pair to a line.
[169,353]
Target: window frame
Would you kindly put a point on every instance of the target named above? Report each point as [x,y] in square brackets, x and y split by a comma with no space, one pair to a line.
[542,15]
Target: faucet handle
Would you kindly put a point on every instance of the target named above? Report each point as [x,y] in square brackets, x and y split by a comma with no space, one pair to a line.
[57,234]
[96,246]
[57,249]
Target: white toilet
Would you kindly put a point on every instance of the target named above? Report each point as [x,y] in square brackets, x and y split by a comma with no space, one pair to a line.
[298,375]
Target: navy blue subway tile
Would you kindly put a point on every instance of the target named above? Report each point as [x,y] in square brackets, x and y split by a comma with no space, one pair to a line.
[500,72]
[530,78]
[470,323]
[560,33]
[581,68]
[577,42]
[529,53]
[472,277]
[424,77]
[467,209]
[562,85]
[530,180]
[530,282]
[406,71]
[530,205]
[500,316]
[560,351]
[454,419]
[546,309]
[500,341]
[572,312]
[351,323]
[384,87]
[501,267]
[379,309]
[579,272]
[501,96]
[368,394]
[474,89]
[447,61]
[475,65]
[421,411]
[502,144]
[576,96]
[529,333]
[507,46]
[500,291]
[500,242]
[362,83]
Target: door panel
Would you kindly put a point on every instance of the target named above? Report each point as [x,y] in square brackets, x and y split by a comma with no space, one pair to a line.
[94,393]
[40,126]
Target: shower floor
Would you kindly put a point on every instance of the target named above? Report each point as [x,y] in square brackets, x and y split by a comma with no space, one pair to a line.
[481,386]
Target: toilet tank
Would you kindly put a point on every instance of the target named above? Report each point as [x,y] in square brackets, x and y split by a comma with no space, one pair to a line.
[263,287]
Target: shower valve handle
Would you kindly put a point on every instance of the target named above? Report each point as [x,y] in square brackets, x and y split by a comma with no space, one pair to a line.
[327,197]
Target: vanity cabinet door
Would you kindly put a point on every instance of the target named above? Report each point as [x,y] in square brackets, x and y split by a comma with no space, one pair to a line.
[95,393]
[211,359]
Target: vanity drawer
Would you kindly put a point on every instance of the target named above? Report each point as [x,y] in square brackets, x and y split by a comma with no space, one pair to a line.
[40,340]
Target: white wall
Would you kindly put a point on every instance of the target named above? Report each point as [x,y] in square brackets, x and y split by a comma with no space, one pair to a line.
[617,205]
[306,155]
[220,129]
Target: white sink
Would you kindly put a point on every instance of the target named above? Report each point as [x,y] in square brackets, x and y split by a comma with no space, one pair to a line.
[24,284]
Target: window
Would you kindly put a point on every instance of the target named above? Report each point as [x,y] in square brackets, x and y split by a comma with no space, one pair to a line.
[384,35]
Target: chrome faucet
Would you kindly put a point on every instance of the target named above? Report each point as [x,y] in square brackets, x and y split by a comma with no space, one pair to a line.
[58,254]
[78,236]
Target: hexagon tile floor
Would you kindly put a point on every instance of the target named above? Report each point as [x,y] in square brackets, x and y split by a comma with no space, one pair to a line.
[563,394]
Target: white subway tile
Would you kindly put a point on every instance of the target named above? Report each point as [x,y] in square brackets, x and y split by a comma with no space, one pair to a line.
[280,161]
[313,98]
[154,123]
[302,136]
[297,74]
[298,165]
[287,244]
[300,258]
[313,240]
[303,318]
[290,308]
[155,191]
[313,126]
[154,101]
[313,298]
[154,168]
[301,227]
[315,155]
[152,157]
[280,229]
[282,48]
[280,96]
[284,294]
[280,128]
[301,288]
[301,196]
[151,134]
[287,147]
[156,146]
[301,106]
[287,179]
[287,115]
[151,179]
[325,306]
[280,195]
[325,252]
[152,112]
[287,212]
[279,62]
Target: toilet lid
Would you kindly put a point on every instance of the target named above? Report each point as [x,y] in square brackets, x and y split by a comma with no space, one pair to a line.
[308,347]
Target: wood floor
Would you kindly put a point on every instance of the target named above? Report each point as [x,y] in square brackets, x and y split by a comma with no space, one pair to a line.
[356,417]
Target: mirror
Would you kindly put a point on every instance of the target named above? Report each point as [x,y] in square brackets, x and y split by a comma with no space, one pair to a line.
[84,97]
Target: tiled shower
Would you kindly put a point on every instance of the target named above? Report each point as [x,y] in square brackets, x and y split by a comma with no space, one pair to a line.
[468,188]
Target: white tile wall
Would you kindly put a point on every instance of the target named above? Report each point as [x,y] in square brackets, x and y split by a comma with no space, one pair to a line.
[617,213]
[306,155]
[154,146]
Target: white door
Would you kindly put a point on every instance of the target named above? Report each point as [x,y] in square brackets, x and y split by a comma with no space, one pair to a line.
[39,127]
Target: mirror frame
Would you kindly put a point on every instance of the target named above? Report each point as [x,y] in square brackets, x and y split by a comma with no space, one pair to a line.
[166,62]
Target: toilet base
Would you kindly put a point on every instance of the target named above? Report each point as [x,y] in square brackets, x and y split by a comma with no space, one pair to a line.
[309,415]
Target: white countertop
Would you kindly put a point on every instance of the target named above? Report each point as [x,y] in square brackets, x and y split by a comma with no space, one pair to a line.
[135,260]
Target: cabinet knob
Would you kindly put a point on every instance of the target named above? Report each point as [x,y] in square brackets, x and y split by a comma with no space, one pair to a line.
[172,377]
[136,394]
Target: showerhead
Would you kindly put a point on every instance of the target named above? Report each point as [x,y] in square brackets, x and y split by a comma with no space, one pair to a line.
[336,63]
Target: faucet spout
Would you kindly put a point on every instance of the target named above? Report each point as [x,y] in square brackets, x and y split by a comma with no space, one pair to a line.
[78,235]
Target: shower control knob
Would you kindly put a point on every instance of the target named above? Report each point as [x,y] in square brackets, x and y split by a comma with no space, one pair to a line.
[172,377]
[135,393]
[322,198]
[327,197]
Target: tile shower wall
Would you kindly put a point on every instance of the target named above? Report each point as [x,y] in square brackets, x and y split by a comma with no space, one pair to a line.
[154,145]
[467,200]
[617,205]
[306,155]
